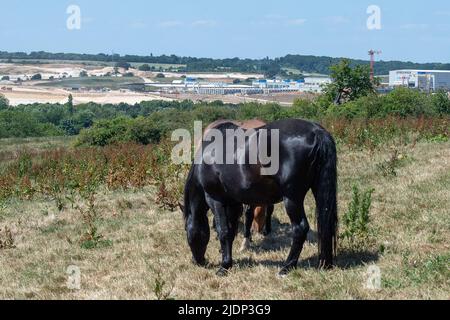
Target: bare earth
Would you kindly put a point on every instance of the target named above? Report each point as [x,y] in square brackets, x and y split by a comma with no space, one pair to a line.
[29,94]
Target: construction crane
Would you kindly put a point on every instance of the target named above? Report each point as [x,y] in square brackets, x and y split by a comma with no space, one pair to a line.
[372,54]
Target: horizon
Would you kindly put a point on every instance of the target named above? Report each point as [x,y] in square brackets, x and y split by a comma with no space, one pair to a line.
[408,32]
[206,57]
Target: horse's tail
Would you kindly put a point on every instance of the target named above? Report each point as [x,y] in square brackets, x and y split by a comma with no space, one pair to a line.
[325,192]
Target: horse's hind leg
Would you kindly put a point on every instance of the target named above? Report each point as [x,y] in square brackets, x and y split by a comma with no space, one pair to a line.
[300,229]
[249,215]
[268,225]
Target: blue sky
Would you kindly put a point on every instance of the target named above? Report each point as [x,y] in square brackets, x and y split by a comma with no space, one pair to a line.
[411,30]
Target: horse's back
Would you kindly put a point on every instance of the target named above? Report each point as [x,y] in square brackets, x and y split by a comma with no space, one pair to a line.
[296,127]
[246,125]
[298,145]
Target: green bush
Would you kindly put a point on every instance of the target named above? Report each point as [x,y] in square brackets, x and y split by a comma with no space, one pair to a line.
[105,132]
[15,124]
[145,67]
[401,102]
[356,219]
[267,112]
[4,103]
[305,109]
[405,102]
[122,129]
[441,102]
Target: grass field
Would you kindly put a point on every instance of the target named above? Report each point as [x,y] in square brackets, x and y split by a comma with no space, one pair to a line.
[9,148]
[146,255]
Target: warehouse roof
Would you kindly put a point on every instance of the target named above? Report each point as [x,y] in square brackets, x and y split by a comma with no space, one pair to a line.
[424,71]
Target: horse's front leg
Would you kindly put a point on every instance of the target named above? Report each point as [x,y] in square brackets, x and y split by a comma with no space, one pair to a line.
[227,225]
[300,229]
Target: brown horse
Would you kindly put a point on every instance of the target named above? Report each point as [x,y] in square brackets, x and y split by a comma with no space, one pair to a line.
[257,218]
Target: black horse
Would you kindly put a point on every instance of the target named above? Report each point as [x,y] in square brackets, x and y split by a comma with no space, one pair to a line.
[307,161]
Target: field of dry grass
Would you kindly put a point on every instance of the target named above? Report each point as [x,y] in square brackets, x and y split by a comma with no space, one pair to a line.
[146,255]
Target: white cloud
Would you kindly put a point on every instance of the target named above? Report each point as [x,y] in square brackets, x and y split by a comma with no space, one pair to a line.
[138,25]
[204,23]
[275,20]
[296,22]
[274,16]
[170,24]
[415,26]
[337,19]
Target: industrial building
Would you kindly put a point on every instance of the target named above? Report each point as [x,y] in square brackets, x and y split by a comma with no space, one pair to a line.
[260,86]
[309,84]
[426,80]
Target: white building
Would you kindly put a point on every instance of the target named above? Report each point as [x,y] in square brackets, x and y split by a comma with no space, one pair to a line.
[429,80]
[309,84]
[315,84]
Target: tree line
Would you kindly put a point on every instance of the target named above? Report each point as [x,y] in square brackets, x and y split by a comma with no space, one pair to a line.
[270,67]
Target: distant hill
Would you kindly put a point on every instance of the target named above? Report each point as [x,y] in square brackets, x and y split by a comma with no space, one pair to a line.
[270,67]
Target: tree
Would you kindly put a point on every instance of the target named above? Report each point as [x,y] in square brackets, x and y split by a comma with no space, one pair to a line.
[123,64]
[37,76]
[5,78]
[83,74]
[160,75]
[4,103]
[145,67]
[70,104]
[349,83]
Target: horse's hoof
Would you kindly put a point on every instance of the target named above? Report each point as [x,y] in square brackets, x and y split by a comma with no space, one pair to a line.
[245,245]
[200,263]
[323,265]
[222,272]
[284,272]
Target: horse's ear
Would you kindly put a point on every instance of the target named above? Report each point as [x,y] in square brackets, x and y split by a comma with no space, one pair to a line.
[181,206]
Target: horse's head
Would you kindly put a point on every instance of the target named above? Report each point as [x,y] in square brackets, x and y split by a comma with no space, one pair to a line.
[195,211]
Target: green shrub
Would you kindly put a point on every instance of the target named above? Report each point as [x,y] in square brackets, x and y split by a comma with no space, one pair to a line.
[441,103]
[405,102]
[144,67]
[18,124]
[105,132]
[305,109]
[357,218]
[123,129]
[4,103]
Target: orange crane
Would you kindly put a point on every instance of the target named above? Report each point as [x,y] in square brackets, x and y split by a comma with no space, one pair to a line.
[372,54]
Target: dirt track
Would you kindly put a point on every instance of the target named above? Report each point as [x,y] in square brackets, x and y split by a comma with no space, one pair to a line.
[26,95]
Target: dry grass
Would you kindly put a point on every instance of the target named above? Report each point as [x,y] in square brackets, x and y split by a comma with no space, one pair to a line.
[9,148]
[410,225]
